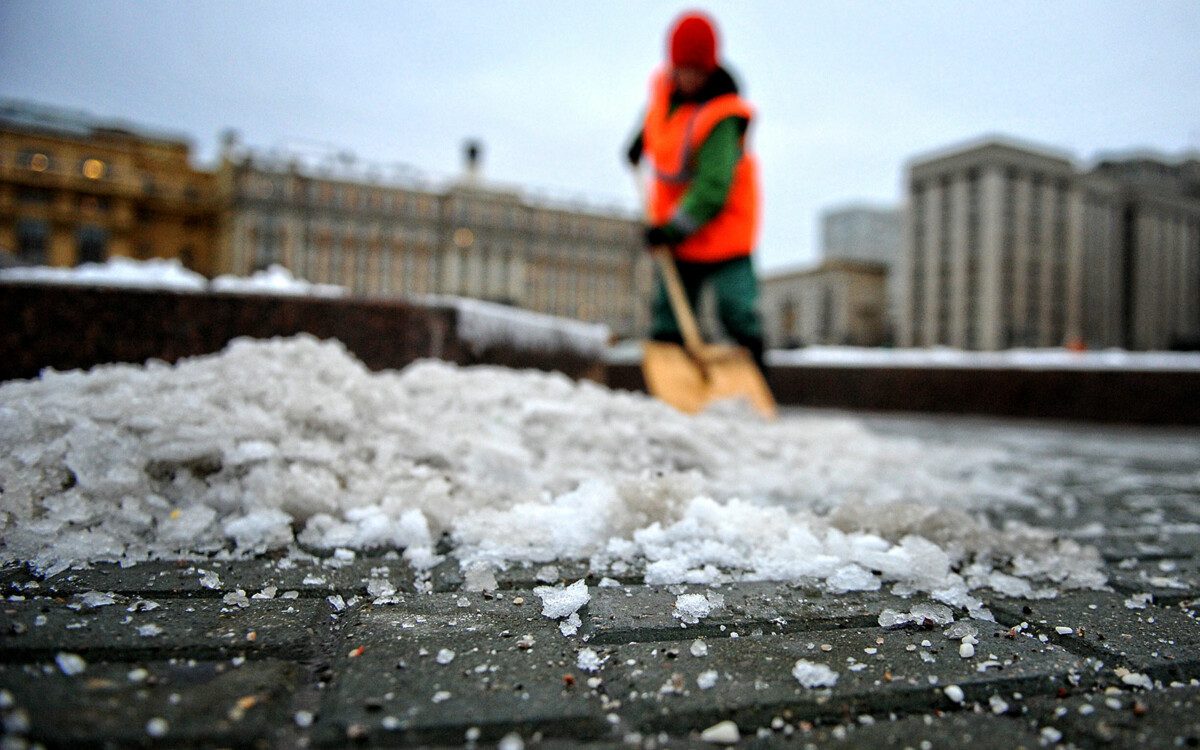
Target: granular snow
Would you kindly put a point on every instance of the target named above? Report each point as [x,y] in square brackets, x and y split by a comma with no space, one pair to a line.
[270,443]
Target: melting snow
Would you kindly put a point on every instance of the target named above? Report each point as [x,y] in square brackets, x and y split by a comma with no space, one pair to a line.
[270,443]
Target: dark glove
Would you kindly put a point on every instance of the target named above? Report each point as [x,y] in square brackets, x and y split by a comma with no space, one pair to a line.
[634,153]
[659,236]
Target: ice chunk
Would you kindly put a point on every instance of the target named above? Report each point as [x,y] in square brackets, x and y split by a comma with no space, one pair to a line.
[93,599]
[1139,601]
[814,675]
[722,733]
[954,693]
[479,577]
[570,625]
[444,656]
[852,578]
[70,664]
[923,614]
[260,530]
[960,630]
[691,608]
[511,741]
[559,602]
[699,648]
[588,660]
[706,679]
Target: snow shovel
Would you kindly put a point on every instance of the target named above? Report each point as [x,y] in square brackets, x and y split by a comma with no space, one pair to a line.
[692,376]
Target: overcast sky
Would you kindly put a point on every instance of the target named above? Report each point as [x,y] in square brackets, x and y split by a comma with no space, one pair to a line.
[847,92]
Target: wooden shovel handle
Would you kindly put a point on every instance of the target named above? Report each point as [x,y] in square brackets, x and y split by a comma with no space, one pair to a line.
[692,340]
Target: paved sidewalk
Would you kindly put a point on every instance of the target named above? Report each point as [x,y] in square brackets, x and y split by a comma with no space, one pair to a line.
[255,654]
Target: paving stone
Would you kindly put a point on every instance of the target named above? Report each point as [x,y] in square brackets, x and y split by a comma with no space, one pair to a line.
[201,703]
[390,686]
[159,578]
[1153,543]
[877,674]
[1167,718]
[447,576]
[630,613]
[1168,580]
[1163,642]
[36,629]
[942,730]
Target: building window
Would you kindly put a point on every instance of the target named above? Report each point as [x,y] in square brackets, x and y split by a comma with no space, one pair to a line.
[35,161]
[92,244]
[32,196]
[33,239]
[93,168]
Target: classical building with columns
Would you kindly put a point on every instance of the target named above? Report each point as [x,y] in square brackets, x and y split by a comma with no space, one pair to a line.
[1008,245]
[394,237]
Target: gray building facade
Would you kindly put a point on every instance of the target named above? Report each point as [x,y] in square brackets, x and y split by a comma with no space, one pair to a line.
[1008,245]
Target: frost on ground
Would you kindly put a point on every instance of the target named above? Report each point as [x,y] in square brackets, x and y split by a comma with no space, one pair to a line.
[273,443]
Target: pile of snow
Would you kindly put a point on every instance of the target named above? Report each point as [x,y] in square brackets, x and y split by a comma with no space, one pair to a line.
[155,273]
[275,280]
[270,443]
[1014,359]
[484,325]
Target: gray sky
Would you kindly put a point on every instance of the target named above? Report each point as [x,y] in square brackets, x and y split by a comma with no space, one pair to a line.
[847,92]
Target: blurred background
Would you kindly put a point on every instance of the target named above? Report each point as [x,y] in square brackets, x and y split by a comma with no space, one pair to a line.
[476,149]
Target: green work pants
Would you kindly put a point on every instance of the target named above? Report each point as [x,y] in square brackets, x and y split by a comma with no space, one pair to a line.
[737,300]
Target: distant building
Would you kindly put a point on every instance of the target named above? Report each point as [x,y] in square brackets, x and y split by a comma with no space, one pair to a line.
[468,239]
[839,302]
[1008,245]
[1141,244]
[75,189]
[868,234]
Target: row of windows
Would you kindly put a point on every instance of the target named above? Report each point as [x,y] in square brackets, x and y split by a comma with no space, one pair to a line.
[33,242]
[91,167]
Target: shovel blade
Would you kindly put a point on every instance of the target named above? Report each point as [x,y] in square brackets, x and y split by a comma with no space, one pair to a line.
[690,381]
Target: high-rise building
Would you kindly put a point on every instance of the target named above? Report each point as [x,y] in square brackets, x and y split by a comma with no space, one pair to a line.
[74,188]
[1008,245]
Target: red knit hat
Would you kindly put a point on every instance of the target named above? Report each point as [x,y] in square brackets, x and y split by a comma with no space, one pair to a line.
[693,42]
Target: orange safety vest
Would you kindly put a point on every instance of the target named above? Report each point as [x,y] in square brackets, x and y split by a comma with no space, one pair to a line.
[671,141]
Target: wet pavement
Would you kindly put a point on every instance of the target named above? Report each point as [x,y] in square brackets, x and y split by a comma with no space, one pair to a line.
[319,654]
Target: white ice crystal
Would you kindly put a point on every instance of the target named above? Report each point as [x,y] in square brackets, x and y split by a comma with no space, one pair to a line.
[70,664]
[93,599]
[814,675]
[691,608]
[588,660]
[559,601]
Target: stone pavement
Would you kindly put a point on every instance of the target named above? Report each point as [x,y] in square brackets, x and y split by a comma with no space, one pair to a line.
[263,654]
